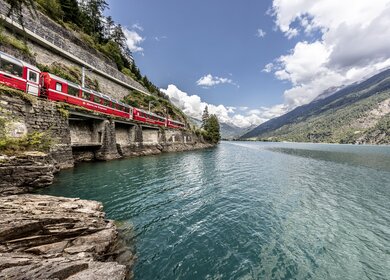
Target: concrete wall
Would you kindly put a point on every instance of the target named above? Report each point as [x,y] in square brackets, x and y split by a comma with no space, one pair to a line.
[125,134]
[86,131]
[150,136]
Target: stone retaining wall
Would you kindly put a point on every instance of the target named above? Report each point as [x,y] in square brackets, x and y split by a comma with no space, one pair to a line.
[42,116]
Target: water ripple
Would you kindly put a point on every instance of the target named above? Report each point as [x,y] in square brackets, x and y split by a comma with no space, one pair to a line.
[249,210]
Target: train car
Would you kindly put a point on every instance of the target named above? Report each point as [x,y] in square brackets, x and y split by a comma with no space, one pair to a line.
[19,74]
[58,89]
[28,78]
[148,117]
[175,124]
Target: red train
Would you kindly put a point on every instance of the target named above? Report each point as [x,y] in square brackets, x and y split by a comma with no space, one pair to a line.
[28,78]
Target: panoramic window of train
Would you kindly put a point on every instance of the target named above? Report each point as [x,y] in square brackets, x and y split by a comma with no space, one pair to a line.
[32,76]
[58,87]
[106,102]
[73,91]
[96,99]
[11,68]
[86,95]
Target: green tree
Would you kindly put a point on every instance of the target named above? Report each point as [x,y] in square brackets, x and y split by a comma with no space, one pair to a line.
[109,28]
[52,8]
[118,36]
[71,11]
[91,17]
[135,70]
[205,116]
[211,128]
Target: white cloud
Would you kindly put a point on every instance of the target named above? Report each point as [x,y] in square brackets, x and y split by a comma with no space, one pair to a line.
[260,33]
[137,26]
[159,38]
[133,40]
[268,68]
[354,43]
[209,81]
[193,106]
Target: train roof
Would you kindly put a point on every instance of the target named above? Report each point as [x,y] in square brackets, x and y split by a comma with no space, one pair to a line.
[176,121]
[18,61]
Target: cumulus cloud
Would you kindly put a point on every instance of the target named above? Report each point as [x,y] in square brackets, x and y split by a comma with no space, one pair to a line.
[260,33]
[209,81]
[353,43]
[193,106]
[133,40]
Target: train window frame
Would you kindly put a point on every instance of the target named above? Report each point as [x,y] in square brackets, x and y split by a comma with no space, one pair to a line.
[75,93]
[95,98]
[15,70]
[32,76]
[86,95]
[106,102]
[58,86]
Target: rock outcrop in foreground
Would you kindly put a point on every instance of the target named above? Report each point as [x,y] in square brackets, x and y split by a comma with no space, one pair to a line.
[25,172]
[45,237]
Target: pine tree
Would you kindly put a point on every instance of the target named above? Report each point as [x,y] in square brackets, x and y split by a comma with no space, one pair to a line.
[92,14]
[205,116]
[119,37]
[211,128]
[109,28]
[71,11]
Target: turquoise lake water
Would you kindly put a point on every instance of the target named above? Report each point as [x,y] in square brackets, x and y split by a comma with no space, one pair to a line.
[249,210]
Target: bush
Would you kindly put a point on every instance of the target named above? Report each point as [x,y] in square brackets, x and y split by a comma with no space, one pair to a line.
[51,8]
[36,141]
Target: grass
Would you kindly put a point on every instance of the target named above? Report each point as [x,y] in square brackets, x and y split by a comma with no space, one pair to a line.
[159,105]
[18,93]
[13,41]
[36,141]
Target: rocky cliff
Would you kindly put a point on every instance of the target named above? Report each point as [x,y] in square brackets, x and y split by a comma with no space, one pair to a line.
[44,237]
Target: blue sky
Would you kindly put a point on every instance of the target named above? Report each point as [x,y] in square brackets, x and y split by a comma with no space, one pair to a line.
[215,52]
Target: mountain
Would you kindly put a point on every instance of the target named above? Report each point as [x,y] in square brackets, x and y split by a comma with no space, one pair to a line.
[230,132]
[358,113]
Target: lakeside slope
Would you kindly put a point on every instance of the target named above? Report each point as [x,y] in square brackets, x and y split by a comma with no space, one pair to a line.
[356,114]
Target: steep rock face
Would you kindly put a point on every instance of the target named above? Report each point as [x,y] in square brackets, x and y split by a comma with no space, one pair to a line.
[25,172]
[44,237]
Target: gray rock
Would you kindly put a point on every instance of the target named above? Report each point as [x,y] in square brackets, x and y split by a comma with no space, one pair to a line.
[45,237]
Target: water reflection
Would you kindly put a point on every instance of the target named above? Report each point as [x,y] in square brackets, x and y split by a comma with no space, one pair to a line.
[376,161]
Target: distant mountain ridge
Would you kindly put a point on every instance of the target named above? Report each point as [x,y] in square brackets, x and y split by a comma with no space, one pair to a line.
[357,113]
[230,131]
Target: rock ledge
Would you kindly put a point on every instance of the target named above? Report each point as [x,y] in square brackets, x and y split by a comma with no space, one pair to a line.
[45,237]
